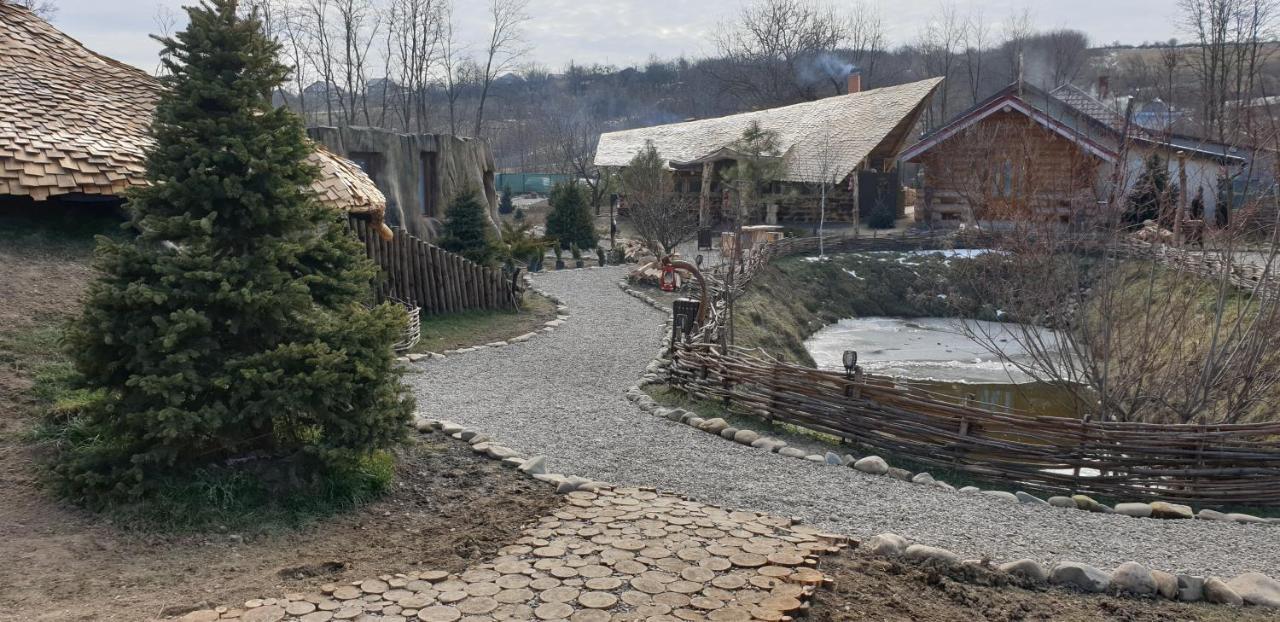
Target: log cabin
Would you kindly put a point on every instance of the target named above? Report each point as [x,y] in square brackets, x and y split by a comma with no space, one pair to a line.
[1027,153]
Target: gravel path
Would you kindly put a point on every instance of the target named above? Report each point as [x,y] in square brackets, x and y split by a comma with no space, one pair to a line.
[560,395]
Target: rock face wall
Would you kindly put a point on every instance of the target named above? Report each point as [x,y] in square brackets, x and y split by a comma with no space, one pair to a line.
[419,173]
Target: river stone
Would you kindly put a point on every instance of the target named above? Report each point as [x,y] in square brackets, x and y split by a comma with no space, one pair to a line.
[943,485]
[1215,591]
[815,458]
[1190,588]
[769,444]
[728,433]
[1062,502]
[1027,569]
[1246,518]
[920,552]
[1000,494]
[922,478]
[468,434]
[1136,510]
[886,544]
[832,458]
[450,428]
[791,452]
[1160,509]
[746,437]
[714,425]
[1256,588]
[536,465]
[677,414]
[694,422]
[874,465]
[849,459]
[1207,514]
[1080,576]
[897,473]
[1029,499]
[1133,578]
[969,489]
[1086,503]
[423,425]
[1166,584]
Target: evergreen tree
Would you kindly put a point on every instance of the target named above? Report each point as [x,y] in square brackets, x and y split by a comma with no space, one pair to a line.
[466,229]
[505,204]
[233,324]
[1153,196]
[570,220]
[882,216]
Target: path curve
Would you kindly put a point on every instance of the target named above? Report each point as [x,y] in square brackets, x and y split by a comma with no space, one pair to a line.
[561,395]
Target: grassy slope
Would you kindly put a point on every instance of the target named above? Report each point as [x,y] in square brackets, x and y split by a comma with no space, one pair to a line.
[460,330]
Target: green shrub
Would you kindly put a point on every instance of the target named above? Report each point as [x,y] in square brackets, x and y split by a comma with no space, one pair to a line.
[882,216]
[570,220]
[505,204]
[466,228]
[234,327]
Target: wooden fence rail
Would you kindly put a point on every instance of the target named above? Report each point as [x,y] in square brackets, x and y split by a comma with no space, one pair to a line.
[436,280]
[1237,464]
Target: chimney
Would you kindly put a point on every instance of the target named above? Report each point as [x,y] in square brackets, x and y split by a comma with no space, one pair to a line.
[855,81]
[1104,87]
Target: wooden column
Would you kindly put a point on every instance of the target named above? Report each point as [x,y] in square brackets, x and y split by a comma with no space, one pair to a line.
[704,195]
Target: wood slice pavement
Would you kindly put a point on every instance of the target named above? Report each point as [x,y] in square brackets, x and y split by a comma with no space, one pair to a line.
[610,555]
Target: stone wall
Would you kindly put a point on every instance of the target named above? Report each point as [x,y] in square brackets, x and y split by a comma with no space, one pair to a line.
[403,165]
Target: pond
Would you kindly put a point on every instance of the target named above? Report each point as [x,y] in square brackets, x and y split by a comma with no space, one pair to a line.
[936,355]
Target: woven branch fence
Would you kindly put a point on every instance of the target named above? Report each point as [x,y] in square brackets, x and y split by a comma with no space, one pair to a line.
[437,280]
[1236,464]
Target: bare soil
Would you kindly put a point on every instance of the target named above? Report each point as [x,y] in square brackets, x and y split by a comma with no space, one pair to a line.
[870,588]
[447,507]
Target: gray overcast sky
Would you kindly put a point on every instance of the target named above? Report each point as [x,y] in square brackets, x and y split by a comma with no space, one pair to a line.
[623,32]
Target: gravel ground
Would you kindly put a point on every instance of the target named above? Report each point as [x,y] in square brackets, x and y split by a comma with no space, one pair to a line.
[560,395]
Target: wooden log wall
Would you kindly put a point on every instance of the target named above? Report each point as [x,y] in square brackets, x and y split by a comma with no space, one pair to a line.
[436,280]
[1208,465]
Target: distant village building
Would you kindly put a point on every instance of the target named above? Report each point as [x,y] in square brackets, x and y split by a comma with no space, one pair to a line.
[848,142]
[419,173]
[1028,153]
[74,126]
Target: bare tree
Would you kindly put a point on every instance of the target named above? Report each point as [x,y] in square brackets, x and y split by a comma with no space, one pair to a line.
[775,45]
[1231,41]
[938,45]
[866,39]
[415,41]
[575,136]
[504,48]
[458,70]
[663,217]
[357,29]
[44,9]
[976,40]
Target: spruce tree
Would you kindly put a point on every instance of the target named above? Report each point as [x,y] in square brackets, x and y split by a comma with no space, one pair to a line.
[466,229]
[232,328]
[1153,195]
[506,204]
[570,220]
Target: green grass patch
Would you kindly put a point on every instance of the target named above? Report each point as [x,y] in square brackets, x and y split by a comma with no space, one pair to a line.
[460,330]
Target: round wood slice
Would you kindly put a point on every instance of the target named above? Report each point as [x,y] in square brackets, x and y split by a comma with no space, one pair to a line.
[561,594]
[439,613]
[748,560]
[806,576]
[780,603]
[730,614]
[786,558]
[597,600]
[729,581]
[477,605]
[775,571]
[553,611]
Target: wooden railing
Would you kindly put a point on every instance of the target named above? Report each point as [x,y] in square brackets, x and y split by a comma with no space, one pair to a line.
[437,280]
[1236,464]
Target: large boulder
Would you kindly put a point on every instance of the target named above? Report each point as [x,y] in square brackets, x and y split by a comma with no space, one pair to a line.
[1256,588]
[1133,578]
[1080,576]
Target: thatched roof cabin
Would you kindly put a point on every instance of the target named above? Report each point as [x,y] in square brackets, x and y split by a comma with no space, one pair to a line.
[74,123]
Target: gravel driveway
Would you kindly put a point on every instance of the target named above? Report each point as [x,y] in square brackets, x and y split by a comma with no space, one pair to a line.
[560,395]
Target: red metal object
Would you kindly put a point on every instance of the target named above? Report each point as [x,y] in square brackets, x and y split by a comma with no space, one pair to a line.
[668,281]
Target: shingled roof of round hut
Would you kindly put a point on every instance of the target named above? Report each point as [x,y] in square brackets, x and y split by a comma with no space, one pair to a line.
[74,122]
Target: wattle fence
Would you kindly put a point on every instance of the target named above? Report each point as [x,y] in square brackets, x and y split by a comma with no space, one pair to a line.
[1211,465]
[434,279]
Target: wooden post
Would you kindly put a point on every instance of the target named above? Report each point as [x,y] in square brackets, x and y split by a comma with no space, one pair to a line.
[1182,199]
[704,195]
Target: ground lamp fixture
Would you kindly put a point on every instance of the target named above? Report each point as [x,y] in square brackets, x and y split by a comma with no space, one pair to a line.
[850,363]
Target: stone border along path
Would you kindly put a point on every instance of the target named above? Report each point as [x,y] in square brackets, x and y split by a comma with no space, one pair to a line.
[562,396]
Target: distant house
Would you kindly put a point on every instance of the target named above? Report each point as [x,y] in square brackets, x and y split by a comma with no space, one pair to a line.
[850,141]
[74,126]
[1028,153]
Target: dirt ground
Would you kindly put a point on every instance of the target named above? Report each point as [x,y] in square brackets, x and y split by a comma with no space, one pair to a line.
[868,588]
[447,507]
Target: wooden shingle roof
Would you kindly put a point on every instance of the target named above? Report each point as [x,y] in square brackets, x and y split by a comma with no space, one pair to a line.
[75,122]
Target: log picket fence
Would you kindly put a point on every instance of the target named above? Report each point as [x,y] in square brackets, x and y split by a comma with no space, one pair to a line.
[434,279]
[1203,464]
